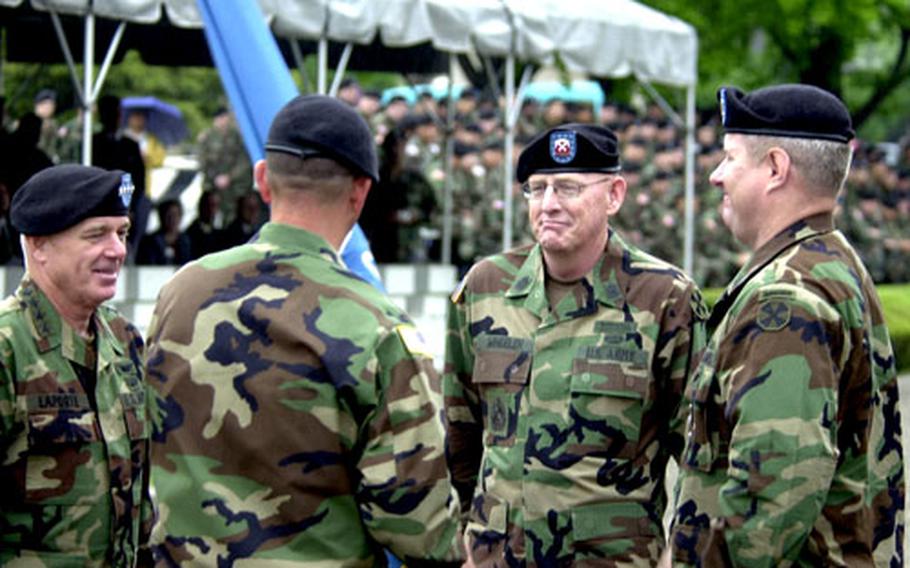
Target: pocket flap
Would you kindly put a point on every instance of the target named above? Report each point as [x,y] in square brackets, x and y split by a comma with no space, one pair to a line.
[63,426]
[501,359]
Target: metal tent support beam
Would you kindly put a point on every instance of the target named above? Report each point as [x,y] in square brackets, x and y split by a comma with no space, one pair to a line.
[514,100]
[340,69]
[689,240]
[90,87]
[688,126]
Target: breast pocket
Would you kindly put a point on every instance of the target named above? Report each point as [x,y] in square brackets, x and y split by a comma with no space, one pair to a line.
[502,366]
[63,445]
[607,400]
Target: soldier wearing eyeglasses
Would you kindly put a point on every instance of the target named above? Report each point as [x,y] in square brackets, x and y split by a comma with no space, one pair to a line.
[566,362]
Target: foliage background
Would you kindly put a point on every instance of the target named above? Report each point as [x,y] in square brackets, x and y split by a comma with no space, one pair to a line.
[858,49]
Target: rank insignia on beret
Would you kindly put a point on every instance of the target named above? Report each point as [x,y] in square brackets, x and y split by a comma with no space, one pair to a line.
[126,189]
[563,146]
[773,315]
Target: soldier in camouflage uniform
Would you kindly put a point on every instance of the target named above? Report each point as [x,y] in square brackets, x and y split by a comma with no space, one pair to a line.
[793,450]
[297,414]
[224,163]
[73,427]
[566,363]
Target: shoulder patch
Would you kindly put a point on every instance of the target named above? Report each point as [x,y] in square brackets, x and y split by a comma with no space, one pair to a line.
[459,290]
[412,340]
[773,315]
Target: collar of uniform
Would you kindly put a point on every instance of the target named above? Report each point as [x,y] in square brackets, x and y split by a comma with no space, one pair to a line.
[792,235]
[795,233]
[291,237]
[607,290]
[50,331]
[530,280]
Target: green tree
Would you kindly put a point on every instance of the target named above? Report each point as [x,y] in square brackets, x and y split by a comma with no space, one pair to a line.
[750,43]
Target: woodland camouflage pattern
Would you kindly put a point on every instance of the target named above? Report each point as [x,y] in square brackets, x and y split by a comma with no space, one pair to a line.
[74,481]
[298,417]
[793,454]
[561,422]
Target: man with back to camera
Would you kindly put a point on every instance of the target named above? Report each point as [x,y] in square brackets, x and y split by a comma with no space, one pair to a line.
[73,425]
[793,453]
[566,362]
[297,412]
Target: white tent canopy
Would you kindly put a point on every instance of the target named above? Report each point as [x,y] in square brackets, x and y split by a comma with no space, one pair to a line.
[603,38]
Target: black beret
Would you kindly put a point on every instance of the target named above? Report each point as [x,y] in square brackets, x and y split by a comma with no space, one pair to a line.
[461,149]
[46,95]
[797,111]
[316,125]
[59,197]
[570,148]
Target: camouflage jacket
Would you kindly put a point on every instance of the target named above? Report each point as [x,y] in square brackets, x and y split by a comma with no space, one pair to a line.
[561,421]
[74,468]
[297,415]
[793,451]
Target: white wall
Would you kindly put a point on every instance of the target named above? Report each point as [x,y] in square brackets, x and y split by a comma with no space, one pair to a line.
[423,291]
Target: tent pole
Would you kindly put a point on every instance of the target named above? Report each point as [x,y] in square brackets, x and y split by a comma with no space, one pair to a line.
[301,63]
[89,100]
[108,58]
[322,66]
[663,104]
[68,56]
[339,71]
[449,156]
[689,240]
[508,151]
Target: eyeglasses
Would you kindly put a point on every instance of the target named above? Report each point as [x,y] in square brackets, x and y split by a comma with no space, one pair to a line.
[563,188]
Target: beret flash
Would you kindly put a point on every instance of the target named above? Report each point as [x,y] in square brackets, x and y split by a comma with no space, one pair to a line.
[796,111]
[56,198]
[570,148]
[316,125]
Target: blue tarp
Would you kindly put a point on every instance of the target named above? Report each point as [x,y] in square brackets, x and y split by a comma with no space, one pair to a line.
[258,83]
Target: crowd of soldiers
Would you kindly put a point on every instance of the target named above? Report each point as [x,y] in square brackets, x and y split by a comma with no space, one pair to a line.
[409,197]
[403,218]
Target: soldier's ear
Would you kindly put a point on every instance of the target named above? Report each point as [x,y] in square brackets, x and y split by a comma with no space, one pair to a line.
[616,194]
[358,195]
[36,247]
[261,176]
[779,166]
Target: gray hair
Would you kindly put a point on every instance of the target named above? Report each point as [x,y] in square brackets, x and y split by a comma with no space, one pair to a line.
[822,164]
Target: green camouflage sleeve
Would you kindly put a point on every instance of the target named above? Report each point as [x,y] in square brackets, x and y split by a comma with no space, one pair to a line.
[405,495]
[783,406]
[462,403]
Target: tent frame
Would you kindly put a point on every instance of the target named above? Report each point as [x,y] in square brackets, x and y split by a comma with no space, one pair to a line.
[90,87]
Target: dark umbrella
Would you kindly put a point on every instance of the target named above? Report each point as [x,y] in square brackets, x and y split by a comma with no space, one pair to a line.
[163,120]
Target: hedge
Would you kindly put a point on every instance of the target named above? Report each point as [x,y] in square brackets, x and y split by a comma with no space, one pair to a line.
[896,302]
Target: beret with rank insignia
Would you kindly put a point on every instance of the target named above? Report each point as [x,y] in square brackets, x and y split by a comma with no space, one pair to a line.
[570,148]
[59,197]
